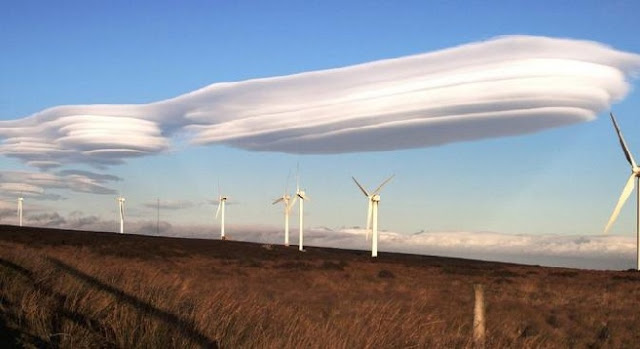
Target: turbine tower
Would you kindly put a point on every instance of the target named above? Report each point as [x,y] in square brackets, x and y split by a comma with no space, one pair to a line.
[20,200]
[121,200]
[221,203]
[372,213]
[626,192]
[301,196]
[288,202]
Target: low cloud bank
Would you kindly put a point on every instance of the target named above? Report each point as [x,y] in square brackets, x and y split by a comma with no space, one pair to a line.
[588,252]
[505,86]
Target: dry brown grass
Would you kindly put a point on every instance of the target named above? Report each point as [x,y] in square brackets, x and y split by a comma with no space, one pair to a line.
[81,289]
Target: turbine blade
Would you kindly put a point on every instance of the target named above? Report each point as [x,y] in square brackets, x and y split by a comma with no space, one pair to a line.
[297,177]
[623,144]
[286,184]
[277,200]
[364,191]
[218,210]
[628,188]
[382,185]
[291,203]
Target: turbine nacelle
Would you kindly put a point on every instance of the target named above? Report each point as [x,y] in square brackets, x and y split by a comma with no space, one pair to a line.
[220,212]
[221,201]
[286,200]
[373,199]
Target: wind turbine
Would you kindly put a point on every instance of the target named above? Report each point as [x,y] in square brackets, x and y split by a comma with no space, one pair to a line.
[288,202]
[121,200]
[221,203]
[20,200]
[372,213]
[301,196]
[626,192]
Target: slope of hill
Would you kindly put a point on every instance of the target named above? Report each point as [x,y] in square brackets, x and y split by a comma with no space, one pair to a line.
[87,289]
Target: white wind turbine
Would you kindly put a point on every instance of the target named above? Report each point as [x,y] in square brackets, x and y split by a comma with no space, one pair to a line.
[626,192]
[121,200]
[301,196]
[20,200]
[221,203]
[372,213]
[288,202]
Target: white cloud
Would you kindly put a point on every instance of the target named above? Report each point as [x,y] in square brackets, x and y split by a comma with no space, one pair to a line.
[519,244]
[506,86]
[93,134]
[40,185]
[98,177]
[21,188]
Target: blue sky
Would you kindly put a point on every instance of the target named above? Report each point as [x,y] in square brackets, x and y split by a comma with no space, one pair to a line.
[559,181]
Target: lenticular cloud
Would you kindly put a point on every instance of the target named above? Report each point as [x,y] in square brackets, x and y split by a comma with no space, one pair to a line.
[505,86]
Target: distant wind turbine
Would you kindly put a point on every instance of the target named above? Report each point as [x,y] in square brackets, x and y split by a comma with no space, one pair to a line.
[372,213]
[626,192]
[121,200]
[221,203]
[288,202]
[301,196]
[20,200]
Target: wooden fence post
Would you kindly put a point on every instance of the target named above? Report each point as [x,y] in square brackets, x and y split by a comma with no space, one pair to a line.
[478,317]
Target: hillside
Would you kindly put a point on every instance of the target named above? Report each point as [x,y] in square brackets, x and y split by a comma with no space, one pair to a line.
[87,289]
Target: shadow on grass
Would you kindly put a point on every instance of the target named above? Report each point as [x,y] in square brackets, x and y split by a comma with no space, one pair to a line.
[11,337]
[17,337]
[186,328]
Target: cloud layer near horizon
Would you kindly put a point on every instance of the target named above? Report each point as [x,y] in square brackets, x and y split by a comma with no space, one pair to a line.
[597,252]
[594,252]
[505,86]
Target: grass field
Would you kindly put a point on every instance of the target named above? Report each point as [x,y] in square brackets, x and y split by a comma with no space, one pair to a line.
[86,289]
